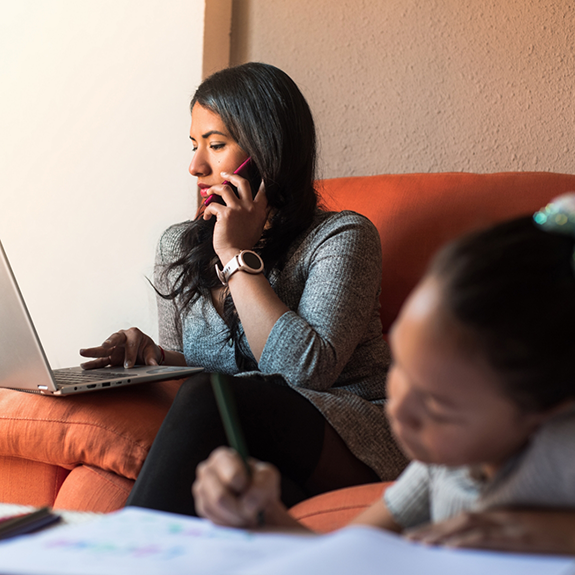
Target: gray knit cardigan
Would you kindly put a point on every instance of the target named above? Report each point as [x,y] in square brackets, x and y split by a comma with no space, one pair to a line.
[328,347]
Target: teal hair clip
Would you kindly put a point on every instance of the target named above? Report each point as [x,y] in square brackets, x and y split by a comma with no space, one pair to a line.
[558,216]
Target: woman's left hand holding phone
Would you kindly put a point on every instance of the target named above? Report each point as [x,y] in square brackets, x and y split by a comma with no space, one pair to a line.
[126,348]
[240,220]
[239,226]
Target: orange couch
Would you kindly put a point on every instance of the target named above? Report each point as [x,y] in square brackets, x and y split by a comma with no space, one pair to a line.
[85,452]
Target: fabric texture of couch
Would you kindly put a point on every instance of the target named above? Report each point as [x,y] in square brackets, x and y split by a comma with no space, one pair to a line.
[85,452]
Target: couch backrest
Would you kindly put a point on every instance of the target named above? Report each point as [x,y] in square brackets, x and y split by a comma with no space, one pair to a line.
[417,213]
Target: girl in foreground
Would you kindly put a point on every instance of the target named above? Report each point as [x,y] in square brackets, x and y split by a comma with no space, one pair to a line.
[480,395]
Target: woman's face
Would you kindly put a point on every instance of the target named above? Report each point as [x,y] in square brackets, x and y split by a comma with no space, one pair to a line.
[215,151]
[445,404]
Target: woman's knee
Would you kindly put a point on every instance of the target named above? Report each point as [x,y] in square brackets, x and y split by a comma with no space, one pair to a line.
[197,386]
[194,403]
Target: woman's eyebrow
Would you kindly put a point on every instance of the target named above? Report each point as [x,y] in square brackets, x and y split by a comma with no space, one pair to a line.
[212,132]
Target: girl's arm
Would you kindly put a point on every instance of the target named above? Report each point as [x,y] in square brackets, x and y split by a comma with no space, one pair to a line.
[378,515]
[225,494]
[517,530]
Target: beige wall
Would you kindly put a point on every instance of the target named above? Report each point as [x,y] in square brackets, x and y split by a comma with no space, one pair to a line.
[402,86]
[94,153]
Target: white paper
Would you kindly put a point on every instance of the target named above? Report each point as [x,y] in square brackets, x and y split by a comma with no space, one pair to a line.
[144,542]
[368,551]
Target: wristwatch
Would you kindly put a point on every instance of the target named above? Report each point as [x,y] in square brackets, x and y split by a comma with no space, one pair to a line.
[245,261]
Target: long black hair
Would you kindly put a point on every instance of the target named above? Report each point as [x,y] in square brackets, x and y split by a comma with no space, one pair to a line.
[267,115]
[512,288]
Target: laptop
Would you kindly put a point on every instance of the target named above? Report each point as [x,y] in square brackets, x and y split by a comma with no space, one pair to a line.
[25,367]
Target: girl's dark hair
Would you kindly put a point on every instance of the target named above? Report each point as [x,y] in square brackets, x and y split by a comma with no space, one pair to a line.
[512,288]
[267,115]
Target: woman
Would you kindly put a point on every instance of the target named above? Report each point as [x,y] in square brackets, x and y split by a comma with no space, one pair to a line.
[302,335]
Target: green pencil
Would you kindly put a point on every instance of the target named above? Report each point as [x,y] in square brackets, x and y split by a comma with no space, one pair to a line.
[229,415]
[231,422]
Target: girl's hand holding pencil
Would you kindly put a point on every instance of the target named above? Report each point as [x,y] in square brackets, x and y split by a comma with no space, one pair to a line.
[227,494]
[232,488]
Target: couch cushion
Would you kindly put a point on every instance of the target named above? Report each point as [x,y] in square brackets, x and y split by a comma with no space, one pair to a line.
[335,509]
[29,482]
[88,488]
[417,213]
[112,430]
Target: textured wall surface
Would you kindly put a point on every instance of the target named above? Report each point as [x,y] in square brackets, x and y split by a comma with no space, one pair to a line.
[402,86]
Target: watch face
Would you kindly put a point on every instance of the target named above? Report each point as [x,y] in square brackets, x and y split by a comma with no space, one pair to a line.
[252,260]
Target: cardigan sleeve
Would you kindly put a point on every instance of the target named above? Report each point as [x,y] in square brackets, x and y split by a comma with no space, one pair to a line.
[340,267]
[169,322]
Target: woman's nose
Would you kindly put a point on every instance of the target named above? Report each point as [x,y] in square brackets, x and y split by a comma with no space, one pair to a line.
[198,166]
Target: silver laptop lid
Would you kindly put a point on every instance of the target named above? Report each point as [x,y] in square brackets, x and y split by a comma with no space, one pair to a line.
[23,363]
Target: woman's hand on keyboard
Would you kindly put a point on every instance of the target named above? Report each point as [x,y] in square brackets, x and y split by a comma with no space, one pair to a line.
[126,347]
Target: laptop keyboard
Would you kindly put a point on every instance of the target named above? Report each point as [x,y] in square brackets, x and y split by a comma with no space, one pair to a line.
[78,377]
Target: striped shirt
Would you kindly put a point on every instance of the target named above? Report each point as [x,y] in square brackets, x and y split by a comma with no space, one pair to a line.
[541,475]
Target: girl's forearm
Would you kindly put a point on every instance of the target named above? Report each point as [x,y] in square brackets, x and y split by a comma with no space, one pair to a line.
[377,515]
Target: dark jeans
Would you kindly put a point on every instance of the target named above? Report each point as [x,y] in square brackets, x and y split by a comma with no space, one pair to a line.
[280,426]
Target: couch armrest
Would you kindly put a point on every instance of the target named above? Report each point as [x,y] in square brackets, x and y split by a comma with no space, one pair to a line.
[111,430]
[335,509]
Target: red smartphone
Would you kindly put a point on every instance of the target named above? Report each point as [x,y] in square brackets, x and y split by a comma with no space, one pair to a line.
[247,170]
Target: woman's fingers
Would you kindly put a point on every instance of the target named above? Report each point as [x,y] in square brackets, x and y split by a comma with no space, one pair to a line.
[106,348]
[260,195]
[133,340]
[104,353]
[239,225]
[243,186]
[96,352]
[96,363]
[150,354]
[244,196]
[223,192]
[125,347]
